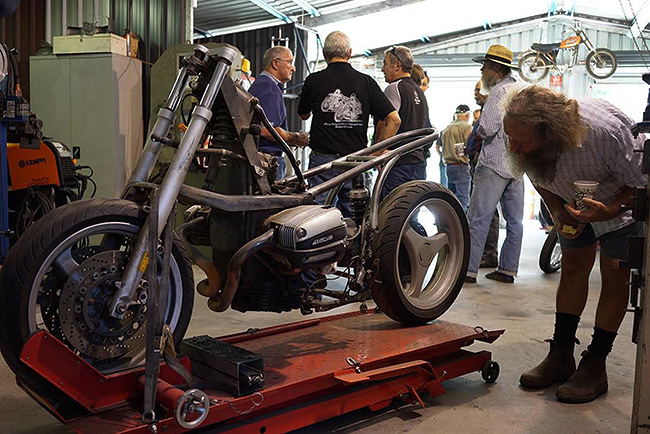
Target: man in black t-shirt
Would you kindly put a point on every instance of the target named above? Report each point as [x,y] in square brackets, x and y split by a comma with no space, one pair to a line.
[411,104]
[341,100]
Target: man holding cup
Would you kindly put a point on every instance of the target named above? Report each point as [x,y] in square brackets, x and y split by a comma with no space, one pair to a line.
[453,140]
[581,158]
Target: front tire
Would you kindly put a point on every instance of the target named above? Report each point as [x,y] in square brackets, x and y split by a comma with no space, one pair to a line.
[601,63]
[42,287]
[533,68]
[420,253]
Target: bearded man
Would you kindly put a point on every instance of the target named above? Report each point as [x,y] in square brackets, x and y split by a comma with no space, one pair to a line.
[556,141]
[493,182]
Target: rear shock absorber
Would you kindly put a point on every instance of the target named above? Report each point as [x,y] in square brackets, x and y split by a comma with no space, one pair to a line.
[358,199]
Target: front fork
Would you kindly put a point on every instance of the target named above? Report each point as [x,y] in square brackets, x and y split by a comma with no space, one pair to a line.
[172,183]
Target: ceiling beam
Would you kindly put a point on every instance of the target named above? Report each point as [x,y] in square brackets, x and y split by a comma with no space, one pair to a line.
[273,11]
[307,7]
[354,9]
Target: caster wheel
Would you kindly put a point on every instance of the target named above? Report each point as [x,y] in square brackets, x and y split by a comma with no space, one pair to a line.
[490,371]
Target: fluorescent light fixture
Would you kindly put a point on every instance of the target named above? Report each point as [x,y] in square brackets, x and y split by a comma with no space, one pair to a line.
[273,11]
[308,7]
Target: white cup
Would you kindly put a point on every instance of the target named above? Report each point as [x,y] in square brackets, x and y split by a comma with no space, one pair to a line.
[584,189]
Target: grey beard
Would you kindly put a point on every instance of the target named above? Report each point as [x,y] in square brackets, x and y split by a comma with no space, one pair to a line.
[539,166]
[487,84]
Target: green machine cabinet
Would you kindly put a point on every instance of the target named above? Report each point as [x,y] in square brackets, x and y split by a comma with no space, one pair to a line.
[94,102]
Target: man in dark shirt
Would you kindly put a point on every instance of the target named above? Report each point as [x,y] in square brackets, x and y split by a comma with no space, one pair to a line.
[411,105]
[341,100]
[278,68]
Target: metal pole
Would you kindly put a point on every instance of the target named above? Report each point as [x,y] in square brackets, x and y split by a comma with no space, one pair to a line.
[48,21]
[64,17]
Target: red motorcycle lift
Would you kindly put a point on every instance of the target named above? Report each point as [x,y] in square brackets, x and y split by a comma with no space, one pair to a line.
[314,370]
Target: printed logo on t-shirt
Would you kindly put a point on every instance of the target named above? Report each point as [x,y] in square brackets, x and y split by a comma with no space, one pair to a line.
[345,109]
[416,98]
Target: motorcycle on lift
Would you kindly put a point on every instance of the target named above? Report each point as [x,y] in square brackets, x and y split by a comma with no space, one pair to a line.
[535,63]
[87,274]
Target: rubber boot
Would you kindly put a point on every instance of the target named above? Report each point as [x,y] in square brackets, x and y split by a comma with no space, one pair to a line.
[588,382]
[558,366]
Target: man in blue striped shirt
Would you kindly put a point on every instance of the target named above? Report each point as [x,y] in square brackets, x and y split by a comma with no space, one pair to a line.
[493,182]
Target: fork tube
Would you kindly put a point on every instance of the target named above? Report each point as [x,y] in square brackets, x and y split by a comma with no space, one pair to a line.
[171,184]
[164,120]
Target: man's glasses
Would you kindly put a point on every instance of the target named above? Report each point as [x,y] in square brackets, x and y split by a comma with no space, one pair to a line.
[393,51]
[290,62]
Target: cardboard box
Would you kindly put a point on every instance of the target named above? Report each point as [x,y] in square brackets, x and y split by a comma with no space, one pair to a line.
[100,43]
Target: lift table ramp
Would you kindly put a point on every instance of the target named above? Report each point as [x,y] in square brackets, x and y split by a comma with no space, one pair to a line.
[321,368]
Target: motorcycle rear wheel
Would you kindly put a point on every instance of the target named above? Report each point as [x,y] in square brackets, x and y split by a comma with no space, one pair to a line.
[420,252]
[533,68]
[41,287]
[550,257]
[601,63]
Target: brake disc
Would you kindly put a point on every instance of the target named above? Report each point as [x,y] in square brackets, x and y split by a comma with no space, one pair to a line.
[84,305]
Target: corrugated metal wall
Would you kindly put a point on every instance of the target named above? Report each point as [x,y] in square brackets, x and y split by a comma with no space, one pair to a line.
[23,30]
[159,23]
[254,43]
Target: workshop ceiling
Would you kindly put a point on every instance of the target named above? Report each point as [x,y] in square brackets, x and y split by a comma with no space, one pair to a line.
[377,23]
[217,17]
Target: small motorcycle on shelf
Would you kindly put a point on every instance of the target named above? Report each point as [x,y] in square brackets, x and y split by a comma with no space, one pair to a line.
[534,64]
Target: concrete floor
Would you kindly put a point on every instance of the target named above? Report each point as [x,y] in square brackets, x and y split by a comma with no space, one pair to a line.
[525,310]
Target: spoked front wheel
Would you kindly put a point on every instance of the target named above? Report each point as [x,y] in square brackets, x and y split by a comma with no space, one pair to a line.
[61,275]
[533,68]
[420,253]
[601,63]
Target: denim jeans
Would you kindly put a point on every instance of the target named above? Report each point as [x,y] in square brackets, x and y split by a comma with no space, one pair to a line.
[443,173]
[342,201]
[281,167]
[490,189]
[459,182]
[399,175]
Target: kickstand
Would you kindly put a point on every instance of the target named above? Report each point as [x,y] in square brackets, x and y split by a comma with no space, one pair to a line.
[156,297]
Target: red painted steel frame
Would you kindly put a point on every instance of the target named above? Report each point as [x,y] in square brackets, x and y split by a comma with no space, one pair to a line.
[308,379]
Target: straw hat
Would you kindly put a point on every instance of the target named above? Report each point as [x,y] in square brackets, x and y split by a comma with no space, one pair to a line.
[498,54]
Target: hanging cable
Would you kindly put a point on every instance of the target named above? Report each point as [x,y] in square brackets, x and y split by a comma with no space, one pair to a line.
[636,44]
[302,48]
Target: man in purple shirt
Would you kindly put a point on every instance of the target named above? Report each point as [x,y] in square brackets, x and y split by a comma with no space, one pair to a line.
[557,141]
[278,69]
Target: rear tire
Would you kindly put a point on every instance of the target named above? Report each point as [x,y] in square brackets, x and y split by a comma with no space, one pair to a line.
[533,68]
[420,253]
[43,264]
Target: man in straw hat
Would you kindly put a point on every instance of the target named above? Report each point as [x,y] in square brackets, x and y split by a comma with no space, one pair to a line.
[493,182]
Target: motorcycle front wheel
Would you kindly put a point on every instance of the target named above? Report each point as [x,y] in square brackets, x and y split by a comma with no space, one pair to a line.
[60,277]
[420,252]
[533,68]
[601,63]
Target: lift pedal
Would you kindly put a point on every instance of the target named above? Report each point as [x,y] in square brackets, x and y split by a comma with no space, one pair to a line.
[225,366]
